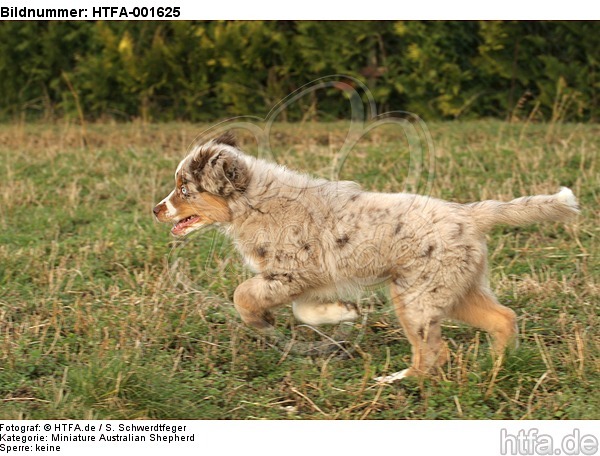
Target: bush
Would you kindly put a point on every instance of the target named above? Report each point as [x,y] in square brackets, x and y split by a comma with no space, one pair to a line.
[200,71]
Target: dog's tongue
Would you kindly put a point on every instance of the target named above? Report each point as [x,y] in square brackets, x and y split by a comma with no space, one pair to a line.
[183,224]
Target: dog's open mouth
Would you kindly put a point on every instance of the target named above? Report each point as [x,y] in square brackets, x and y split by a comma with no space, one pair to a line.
[186,225]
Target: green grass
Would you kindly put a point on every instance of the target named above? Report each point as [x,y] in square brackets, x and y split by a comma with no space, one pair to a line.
[104,315]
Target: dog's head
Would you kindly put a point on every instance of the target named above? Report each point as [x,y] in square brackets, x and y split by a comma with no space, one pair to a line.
[205,181]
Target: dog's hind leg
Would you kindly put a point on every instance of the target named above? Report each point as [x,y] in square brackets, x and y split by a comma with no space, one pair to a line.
[421,322]
[480,308]
[330,313]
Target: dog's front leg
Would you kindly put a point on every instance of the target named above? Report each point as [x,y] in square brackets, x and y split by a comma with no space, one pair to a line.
[255,298]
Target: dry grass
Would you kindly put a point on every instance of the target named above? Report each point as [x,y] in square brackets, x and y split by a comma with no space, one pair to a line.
[103,315]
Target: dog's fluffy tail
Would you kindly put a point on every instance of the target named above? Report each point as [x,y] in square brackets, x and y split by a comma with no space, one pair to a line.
[522,211]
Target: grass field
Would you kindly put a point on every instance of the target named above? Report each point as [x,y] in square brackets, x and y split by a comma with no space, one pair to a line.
[104,315]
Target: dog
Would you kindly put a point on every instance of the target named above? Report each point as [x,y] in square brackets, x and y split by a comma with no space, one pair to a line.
[312,241]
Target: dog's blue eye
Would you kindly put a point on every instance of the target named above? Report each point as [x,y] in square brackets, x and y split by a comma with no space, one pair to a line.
[184,190]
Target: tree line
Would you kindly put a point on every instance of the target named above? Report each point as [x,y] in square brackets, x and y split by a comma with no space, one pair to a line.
[201,71]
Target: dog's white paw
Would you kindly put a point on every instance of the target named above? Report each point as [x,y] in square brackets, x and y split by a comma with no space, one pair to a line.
[331,313]
[350,311]
[392,377]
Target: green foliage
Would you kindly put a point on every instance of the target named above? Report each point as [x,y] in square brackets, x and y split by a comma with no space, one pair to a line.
[33,57]
[436,74]
[205,70]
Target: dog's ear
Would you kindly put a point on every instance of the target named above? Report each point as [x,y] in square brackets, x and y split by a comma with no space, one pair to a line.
[225,174]
[227,138]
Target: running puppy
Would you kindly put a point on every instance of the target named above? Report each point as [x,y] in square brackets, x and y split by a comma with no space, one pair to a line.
[312,241]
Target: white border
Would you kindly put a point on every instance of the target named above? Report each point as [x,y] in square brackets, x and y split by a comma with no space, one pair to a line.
[364,438]
[347,10]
